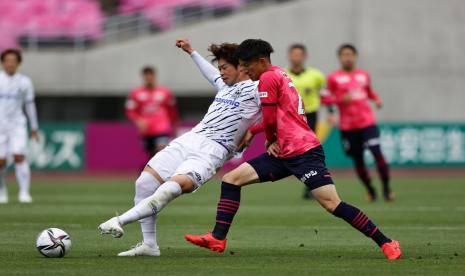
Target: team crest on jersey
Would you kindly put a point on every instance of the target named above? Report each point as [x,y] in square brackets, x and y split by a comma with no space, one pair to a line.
[361,78]
[142,96]
[263,94]
[159,97]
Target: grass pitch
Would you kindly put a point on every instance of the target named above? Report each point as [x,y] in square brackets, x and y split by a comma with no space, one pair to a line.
[275,231]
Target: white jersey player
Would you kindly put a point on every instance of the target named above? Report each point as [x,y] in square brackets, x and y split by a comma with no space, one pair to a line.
[192,159]
[16,95]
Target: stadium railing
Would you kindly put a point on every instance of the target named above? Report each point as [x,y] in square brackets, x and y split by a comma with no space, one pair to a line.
[131,22]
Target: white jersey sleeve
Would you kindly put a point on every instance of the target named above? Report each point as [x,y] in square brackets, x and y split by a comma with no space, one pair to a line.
[29,104]
[208,70]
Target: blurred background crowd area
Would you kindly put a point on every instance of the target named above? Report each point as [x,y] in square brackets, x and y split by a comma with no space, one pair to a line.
[58,23]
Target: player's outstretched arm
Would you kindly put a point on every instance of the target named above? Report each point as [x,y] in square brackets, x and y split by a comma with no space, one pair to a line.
[206,68]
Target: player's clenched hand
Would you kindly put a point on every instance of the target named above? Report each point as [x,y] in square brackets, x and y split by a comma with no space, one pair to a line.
[141,125]
[273,148]
[346,99]
[184,44]
[246,140]
[35,135]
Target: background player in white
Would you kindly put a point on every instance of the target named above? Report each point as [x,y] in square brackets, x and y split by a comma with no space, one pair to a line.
[192,159]
[16,94]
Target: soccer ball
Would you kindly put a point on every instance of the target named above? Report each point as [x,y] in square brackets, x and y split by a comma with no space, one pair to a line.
[53,243]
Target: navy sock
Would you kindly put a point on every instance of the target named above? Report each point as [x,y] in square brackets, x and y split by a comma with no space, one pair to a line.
[361,222]
[383,170]
[362,173]
[226,210]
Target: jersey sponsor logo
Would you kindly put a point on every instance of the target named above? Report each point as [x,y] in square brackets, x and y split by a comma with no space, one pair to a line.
[263,94]
[342,79]
[228,102]
[308,175]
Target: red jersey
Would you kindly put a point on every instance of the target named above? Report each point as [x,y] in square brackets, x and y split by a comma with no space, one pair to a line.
[286,123]
[357,113]
[157,107]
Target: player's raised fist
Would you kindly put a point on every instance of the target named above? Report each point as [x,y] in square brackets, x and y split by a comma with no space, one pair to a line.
[184,44]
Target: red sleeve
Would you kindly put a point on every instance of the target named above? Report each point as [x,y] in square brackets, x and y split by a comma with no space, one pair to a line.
[329,95]
[268,90]
[371,93]
[132,107]
[257,128]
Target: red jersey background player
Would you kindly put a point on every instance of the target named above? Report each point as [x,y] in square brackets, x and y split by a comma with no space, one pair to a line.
[152,108]
[350,89]
[292,149]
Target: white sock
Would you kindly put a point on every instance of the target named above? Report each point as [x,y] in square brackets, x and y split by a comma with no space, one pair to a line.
[146,185]
[2,180]
[153,204]
[23,175]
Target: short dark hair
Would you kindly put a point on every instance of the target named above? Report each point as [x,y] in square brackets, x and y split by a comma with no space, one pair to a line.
[11,51]
[346,46]
[298,46]
[149,70]
[226,51]
[251,49]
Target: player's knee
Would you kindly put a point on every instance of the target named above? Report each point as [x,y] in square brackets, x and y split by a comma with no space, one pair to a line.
[185,182]
[330,205]
[232,178]
[19,158]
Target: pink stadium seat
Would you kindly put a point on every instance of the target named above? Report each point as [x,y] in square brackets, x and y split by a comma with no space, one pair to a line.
[49,19]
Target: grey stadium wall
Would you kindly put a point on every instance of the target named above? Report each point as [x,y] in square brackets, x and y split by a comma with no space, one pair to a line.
[414,50]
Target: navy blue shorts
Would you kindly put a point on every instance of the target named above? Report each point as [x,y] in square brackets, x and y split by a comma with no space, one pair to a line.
[355,141]
[310,168]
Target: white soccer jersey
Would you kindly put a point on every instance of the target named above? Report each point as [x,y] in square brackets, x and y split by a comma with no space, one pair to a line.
[15,92]
[234,109]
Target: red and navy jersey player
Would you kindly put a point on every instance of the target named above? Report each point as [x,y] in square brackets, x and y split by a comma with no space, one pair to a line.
[292,149]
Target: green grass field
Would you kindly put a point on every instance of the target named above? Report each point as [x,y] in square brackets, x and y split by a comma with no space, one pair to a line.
[275,232]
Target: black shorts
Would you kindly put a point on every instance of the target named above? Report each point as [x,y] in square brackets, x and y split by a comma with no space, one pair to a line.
[310,168]
[152,141]
[355,141]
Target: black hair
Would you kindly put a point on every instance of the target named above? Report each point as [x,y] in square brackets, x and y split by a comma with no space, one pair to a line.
[347,46]
[251,49]
[226,51]
[298,46]
[149,70]
[10,51]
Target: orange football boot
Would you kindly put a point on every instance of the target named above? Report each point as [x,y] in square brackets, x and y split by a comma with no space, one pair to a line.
[392,250]
[207,241]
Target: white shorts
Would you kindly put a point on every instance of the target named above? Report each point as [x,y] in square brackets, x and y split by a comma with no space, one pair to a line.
[13,141]
[190,154]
